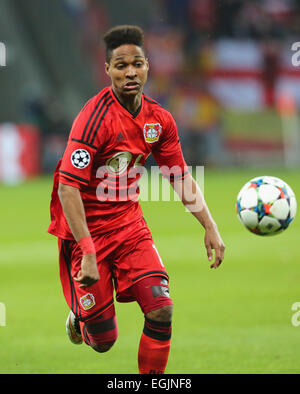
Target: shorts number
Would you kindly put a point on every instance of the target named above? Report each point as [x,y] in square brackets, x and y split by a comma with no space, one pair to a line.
[154,247]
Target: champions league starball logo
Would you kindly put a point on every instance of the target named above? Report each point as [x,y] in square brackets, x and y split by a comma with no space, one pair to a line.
[80,158]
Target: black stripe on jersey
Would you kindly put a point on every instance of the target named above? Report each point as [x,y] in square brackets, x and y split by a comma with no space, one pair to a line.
[86,104]
[102,326]
[151,273]
[85,334]
[135,114]
[102,117]
[74,176]
[98,312]
[64,247]
[157,330]
[151,101]
[84,143]
[67,251]
[173,177]
[97,117]
[75,305]
[92,115]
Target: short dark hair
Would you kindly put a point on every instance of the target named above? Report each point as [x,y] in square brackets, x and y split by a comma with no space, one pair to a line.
[120,35]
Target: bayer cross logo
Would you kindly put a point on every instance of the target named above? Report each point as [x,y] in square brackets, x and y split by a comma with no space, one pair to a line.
[80,158]
[152,132]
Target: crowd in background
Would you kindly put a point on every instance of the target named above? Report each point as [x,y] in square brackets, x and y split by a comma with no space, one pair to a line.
[181,38]
[180,42]
[213,64]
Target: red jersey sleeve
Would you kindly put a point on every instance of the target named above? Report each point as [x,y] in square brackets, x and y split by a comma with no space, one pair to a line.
[168,153]
[83,143]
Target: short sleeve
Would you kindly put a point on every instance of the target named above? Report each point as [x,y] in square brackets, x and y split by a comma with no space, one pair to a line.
[168,153]
[83,143]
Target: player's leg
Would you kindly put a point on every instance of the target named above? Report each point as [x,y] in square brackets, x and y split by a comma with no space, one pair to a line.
[101,333]
[152,294]
[140,276]
[92,318]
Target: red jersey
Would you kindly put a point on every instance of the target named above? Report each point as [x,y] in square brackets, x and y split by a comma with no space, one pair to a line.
[106,149]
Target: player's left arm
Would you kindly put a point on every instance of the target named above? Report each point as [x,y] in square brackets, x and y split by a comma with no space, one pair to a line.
[169,157]
[192,197]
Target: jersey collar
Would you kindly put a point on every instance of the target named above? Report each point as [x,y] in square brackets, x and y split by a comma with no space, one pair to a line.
[132,115]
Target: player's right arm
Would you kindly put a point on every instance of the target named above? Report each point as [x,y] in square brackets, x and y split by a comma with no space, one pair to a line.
[72,205]
[75,173]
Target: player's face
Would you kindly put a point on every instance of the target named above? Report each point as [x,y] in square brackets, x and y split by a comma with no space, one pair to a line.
[128,69]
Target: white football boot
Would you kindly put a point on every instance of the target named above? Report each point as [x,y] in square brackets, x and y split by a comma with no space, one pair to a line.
[73,329]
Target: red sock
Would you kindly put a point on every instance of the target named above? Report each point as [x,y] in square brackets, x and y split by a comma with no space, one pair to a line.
[154,347]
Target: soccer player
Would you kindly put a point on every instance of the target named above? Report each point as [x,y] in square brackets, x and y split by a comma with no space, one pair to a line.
[104,242]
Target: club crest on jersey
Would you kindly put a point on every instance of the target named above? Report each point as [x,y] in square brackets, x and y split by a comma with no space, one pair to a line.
[80,158]
[152,132]
[87,301]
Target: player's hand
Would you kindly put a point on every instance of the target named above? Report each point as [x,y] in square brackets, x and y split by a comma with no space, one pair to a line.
[213,241]
[88,274]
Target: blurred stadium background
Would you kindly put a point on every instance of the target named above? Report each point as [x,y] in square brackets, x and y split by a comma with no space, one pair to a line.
[224,69]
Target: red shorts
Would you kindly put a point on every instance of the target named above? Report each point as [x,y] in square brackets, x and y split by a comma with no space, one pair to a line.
[125,256]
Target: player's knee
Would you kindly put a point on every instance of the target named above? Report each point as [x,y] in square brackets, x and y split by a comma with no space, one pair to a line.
[158,324]
[102,347]
[102,342]
[163,314]
[101,333]
[152,294]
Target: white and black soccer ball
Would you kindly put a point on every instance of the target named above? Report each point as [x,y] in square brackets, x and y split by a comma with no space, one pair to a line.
[80,158]
[266,205]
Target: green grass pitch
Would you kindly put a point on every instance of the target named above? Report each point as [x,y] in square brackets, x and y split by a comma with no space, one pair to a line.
[236,319]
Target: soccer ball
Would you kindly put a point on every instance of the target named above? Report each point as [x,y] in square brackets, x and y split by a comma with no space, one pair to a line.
[266,205]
